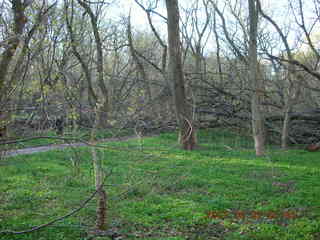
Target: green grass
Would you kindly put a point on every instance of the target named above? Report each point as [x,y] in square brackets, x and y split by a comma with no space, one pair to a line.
[158,191]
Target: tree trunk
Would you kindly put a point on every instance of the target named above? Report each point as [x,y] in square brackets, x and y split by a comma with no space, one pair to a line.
[92,96]
[20,20]
[256,83]
[101,221]
[285,127]
[104,114]
[187,132]
[101,117]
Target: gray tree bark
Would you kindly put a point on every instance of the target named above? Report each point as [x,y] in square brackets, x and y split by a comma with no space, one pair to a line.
[187,131]
[101,116]
[104,109]
[258,127]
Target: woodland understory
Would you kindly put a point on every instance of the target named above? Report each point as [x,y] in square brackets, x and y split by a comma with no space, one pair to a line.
[159,66]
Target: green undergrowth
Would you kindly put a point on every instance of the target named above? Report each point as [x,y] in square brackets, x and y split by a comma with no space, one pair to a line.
[158,191]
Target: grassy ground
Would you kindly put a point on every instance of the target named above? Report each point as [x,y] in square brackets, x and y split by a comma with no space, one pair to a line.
[157,191]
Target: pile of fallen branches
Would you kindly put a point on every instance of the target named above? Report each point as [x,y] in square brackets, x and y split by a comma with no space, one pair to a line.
[304,126]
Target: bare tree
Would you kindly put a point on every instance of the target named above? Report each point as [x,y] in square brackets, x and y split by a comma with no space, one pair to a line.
[19,21]
[101,116]
[70,19]
[104,105]
[257,84]
[293,89]
[140,67]
[187,132]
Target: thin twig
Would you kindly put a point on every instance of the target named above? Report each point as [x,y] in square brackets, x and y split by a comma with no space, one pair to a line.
[53,221]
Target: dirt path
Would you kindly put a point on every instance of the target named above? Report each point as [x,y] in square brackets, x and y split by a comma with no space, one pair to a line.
[32,150]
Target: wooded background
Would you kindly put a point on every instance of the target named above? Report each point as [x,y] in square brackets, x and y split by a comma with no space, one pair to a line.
[249,65]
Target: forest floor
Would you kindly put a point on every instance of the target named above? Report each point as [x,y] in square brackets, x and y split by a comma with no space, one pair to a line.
[157,191]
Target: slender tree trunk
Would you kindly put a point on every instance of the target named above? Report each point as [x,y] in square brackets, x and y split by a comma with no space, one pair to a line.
[187,131]
[140,68]
[101,117]
[104,111]
[291,98]
[217,40]
[258,127]
[92,96]
[101,221]
[285,128]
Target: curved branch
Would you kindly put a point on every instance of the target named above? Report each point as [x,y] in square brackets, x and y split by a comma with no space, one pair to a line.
[224,26]
[36,228]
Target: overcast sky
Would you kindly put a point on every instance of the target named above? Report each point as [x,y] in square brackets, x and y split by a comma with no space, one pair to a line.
[277,9]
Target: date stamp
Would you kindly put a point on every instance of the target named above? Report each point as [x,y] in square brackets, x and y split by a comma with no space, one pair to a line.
[252,215]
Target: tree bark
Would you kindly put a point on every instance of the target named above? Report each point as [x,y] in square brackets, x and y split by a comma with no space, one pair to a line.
[92,96]
[104,110]
[258,127]
[187,132]
[101,210]
[101,116]
[20,20]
